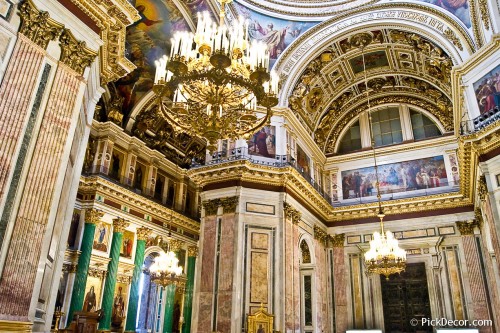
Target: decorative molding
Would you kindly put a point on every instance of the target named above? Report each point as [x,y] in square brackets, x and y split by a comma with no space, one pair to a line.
[69,268]
[485,17]
[482,188]
[320,235]
[478,217]
[123,279]
[15,326]
[143,233]
[74,53]
[119,225]
[97,273]
[229,204]
[37,25]
[93,216]
[211,206]
[466,228]
[337,240]
[192,251]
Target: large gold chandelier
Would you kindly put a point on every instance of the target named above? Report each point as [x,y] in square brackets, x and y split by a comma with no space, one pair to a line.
[165,269]
[214,80]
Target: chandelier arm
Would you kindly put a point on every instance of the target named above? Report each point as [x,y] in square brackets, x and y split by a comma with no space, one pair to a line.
[165,113]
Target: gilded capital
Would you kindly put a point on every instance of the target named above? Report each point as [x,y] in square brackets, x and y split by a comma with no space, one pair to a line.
[69,268]
[75,53]
[229,204]
[192,251]
[320,235]
[466,228]
[37,25]
[143,233]
[337,240]
[119,225]
[175,245]
[211,206]
[93,216]
[482,189]
[478,216]
[291,213]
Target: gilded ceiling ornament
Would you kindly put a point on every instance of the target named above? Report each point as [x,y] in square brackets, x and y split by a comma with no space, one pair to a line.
[143,233]
[229,204]
[337,240]
[320,235]
[211,206]
[93,216]
[192,251]
[175,245]
[74,53]
[37,25]
[361,40]
[119,225]
[466,228]
[483,9]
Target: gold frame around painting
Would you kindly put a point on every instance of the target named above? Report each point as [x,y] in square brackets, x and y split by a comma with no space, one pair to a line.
[260,322]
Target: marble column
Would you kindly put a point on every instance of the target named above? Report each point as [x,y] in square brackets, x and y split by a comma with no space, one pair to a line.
[133,301]
[340,283]
[188,296]
[207,262]
[119,226]
[169,308]
[92,217]
[40,186]
[479,302]
[228,246]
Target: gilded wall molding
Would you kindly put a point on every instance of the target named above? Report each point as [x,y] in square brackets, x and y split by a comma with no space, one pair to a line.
[482,188]
[74,53]
[320,235]
[229,204]
[337,240]
[485,16]
[478,217]
[37,25]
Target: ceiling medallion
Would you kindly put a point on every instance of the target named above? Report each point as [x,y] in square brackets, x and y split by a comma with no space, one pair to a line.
[214,81]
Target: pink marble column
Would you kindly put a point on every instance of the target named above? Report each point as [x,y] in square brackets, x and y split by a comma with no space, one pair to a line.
[226,271]
[16,284]
[292,277]
[321,288]
[207,259]
[340,283]
[476,278]
[16,91]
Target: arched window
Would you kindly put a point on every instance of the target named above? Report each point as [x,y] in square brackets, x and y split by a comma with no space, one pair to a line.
[306,275]
[351,141]
[423,127]
[386,126]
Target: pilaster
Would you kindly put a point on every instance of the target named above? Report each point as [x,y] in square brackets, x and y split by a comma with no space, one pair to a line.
[340,283]
[188,296]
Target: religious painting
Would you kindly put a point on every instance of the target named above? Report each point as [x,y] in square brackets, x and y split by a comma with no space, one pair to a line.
[276,33]
[127,244]
[458,8]
[102,236]
[73,229]
[5,9]
[397,177]
[372,60]
[263,143]
[303,162]
[487,90]
[119,304]
[92,293]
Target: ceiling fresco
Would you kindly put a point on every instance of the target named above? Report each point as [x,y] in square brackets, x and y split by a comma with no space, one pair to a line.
[401,67]
[458,8]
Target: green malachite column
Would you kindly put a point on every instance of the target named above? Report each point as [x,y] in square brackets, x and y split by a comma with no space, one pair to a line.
[92,217]
[119,226]
[168,318]
[133,301]
[188,296]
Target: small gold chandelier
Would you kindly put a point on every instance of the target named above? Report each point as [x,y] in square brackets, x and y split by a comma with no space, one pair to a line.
[214,80]
[384,257]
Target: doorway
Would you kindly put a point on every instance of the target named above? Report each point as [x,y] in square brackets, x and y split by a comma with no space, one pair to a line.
[405,297]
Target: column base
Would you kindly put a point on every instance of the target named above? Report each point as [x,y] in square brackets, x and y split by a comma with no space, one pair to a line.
[15,326]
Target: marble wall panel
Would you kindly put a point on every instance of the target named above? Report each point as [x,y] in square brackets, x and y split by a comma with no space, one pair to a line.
[455,282]
[340,283]
[208,255]
[259,278]
[292,278]
[322,323]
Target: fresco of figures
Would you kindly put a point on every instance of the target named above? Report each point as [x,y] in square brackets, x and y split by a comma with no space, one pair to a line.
[276,33]
[303,162]
[405,176]
[459,8]
[487,90]
[263,143]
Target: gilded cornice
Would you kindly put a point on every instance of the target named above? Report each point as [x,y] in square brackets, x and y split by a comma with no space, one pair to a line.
[37,25]
[96,184]
[112,17]
[74,53]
